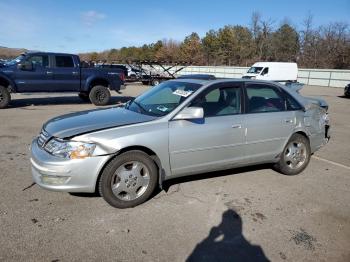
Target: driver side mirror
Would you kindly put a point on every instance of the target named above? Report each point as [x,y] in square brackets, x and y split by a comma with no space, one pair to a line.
[190,113]
[26,66]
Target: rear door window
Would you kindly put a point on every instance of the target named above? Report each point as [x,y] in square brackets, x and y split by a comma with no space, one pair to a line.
[64,61]
[263,98]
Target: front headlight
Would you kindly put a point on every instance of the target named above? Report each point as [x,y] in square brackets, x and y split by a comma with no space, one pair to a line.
[69,149]
[253,77]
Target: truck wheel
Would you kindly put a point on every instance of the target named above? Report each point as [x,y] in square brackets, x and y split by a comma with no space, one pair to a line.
[100,95]
[155,82]
[5,97]
[84,96]
[128,180]
[295,156]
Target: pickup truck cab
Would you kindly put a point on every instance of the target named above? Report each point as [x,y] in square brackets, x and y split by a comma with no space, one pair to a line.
[57,72]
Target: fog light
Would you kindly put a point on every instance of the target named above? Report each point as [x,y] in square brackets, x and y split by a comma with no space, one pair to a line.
[54,180]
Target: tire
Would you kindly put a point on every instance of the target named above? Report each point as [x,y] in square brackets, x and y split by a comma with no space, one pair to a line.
[84,96]
[5,97]
[100,95]
[295,156]
[133,183]
[155,82]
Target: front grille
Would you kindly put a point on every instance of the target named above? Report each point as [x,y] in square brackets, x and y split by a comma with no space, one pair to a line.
[43,138]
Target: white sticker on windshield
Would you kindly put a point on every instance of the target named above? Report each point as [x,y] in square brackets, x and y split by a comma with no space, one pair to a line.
[162,108]
[183,93]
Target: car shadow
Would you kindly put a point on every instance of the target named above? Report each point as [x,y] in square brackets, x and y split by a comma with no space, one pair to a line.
[345,97]
[171,182]
[85,195]
[228,172]
[226,242]
[60,100]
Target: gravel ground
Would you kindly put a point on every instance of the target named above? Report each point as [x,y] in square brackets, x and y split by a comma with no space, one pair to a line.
[248,213]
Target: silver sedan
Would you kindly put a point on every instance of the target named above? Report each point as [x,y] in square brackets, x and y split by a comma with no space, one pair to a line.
[178,128]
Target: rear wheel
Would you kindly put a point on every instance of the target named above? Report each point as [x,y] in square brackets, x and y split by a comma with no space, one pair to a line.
[100,95]
[128,180]
[295,156]
[155,82]
[5,97]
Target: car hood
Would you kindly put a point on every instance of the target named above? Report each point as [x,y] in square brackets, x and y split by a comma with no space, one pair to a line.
[87,121]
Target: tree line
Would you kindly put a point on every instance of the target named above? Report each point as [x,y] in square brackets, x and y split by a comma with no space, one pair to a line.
[327,46]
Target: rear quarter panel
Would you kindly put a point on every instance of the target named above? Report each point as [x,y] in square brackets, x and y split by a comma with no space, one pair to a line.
[315,126]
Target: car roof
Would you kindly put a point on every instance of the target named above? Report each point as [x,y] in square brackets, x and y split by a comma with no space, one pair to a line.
[47,53]
[290,91]
[218,80]
[228,80]
[198,76]
[191,80]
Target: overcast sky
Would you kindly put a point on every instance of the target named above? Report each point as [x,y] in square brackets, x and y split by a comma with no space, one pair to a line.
[80,26]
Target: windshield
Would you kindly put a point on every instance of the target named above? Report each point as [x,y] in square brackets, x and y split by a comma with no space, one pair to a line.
[255,70]
[15,61]
[162,99]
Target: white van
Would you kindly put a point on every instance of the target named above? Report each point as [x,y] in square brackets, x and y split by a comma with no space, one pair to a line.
[274,71]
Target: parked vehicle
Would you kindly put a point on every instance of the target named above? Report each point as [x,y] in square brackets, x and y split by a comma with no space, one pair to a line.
[273,71]
[131,74]
[155,72]
[347,90]
[56,72]
[134,74]
[121,67]
[178,128]
[2,62]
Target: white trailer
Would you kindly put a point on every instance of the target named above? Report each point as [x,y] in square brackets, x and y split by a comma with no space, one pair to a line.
[273,71]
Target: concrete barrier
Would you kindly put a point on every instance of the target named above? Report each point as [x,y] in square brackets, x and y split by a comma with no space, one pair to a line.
[319,77]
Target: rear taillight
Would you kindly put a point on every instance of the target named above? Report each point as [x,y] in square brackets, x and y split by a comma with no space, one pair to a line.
[122,76]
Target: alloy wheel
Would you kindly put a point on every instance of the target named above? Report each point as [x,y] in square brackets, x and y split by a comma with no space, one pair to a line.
[130,181]
[295,155]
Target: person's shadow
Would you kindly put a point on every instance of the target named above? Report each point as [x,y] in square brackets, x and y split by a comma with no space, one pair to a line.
[226,243]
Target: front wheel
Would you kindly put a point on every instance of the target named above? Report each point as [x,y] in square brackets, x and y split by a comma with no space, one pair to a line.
[128,180]
[100,95]
[5,97]
[295,156]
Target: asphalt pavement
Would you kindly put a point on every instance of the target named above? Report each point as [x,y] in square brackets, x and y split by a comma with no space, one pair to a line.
[252,214]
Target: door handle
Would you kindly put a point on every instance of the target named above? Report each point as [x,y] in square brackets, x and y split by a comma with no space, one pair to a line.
[74,73]
[48,72]
[289,121]
[237,126]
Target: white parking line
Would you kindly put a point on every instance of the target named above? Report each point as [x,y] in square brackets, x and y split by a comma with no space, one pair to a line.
[331,162]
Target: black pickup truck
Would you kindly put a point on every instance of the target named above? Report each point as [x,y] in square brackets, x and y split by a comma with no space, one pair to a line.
[57,72]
